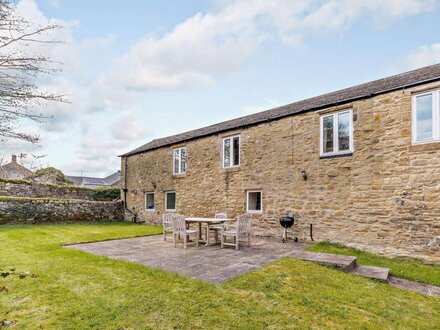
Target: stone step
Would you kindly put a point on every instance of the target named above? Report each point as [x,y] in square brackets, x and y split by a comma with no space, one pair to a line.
[346,263]
[377,273]
[430,290]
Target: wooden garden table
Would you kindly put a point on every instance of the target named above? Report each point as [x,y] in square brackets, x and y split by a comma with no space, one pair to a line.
[209,222]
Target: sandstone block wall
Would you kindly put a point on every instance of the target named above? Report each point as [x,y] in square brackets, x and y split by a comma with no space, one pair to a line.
[37,211]
[384,198]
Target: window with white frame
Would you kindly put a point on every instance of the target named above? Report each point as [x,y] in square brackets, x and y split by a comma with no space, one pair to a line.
[231,151]
[149,201]
[254,202]
[179,160]
[426,117]
[170,201]
[336,133]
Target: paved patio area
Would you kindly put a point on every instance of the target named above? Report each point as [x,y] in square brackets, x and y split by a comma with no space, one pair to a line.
[208,263]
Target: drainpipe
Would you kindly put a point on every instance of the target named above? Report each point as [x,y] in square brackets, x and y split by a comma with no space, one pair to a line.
[125,190]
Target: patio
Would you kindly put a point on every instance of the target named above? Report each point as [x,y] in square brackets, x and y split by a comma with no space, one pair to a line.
[208,263]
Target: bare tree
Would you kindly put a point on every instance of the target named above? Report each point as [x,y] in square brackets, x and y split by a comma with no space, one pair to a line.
[20,67]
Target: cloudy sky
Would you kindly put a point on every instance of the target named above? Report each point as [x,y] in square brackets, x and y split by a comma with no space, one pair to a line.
[137,70]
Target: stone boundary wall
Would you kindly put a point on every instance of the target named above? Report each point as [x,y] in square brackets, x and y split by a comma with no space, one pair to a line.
[43,210]
[21,188]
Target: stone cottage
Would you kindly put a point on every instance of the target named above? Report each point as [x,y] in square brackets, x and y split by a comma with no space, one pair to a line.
[14,171]
[362,165]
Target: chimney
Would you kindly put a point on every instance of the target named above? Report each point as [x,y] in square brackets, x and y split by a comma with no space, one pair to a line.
[14,159]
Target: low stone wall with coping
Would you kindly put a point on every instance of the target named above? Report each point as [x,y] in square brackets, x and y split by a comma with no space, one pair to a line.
[22,188]
[17,210]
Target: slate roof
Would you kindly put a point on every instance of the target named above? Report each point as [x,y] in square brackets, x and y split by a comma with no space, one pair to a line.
[376,87]
[81,181]
[113,179]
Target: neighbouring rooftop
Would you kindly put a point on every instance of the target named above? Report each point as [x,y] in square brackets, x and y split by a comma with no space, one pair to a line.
[111,180]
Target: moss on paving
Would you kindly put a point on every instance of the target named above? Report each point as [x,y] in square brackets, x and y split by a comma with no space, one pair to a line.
[77,290]
[410,269]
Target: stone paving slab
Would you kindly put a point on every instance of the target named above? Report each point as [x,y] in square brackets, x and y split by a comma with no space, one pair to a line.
[345,263]
[208,263]
[377,273]
[430,290]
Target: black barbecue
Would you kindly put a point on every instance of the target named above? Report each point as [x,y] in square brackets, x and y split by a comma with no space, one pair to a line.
[287,222]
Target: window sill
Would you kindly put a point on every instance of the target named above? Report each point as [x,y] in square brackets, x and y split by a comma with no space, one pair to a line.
[150,210]
[170,211]
[425,146]
[178,176]
[346,154]
[231,169]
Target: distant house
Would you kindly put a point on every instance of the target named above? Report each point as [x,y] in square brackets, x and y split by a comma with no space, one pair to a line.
[14,171]
[113,180]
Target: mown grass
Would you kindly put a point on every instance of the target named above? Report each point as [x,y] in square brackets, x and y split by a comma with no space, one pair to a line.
[77,290]
[402,267]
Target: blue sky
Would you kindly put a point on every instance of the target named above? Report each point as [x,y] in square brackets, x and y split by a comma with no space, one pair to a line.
[139,70]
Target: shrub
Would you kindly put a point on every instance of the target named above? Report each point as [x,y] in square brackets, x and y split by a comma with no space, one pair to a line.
[59,176]
[106,194]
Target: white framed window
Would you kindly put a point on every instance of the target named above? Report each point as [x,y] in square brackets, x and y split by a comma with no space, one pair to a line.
[254,201]
[426,117]
[179,160]
[170,201]
[336,133]
[149,201]
[231,151]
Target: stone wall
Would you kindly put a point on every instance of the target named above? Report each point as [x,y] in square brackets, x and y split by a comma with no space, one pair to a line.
[19,188]
[384,198]
[41,210]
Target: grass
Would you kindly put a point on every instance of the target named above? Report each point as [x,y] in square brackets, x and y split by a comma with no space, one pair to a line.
[402,267]
[77,290]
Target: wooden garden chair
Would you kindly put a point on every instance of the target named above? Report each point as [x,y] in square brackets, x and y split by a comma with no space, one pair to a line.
[181,232]
[167,224]
[241,229]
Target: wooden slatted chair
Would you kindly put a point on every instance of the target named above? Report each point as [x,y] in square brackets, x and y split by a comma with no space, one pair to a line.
[180,231]
[241,229]
[217,228]
[167,224]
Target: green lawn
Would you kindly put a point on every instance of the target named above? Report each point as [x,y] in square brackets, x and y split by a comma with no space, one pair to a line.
[406,268]
[77,290]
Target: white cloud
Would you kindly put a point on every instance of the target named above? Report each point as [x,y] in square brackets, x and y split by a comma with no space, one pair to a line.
[127,128]
[194,52]
[425,55]
[210,44]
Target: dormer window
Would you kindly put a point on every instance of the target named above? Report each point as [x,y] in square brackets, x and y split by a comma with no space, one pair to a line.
[231,151]
[426,117]
[179,161]
[336,133]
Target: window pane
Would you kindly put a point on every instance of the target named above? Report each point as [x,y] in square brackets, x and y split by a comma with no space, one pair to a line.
[344,131]
[176,160]
[171,201]
[254,200]
[327,134]
[183,160]
[424,117]
[149,202]
[236,148]
[227,153]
